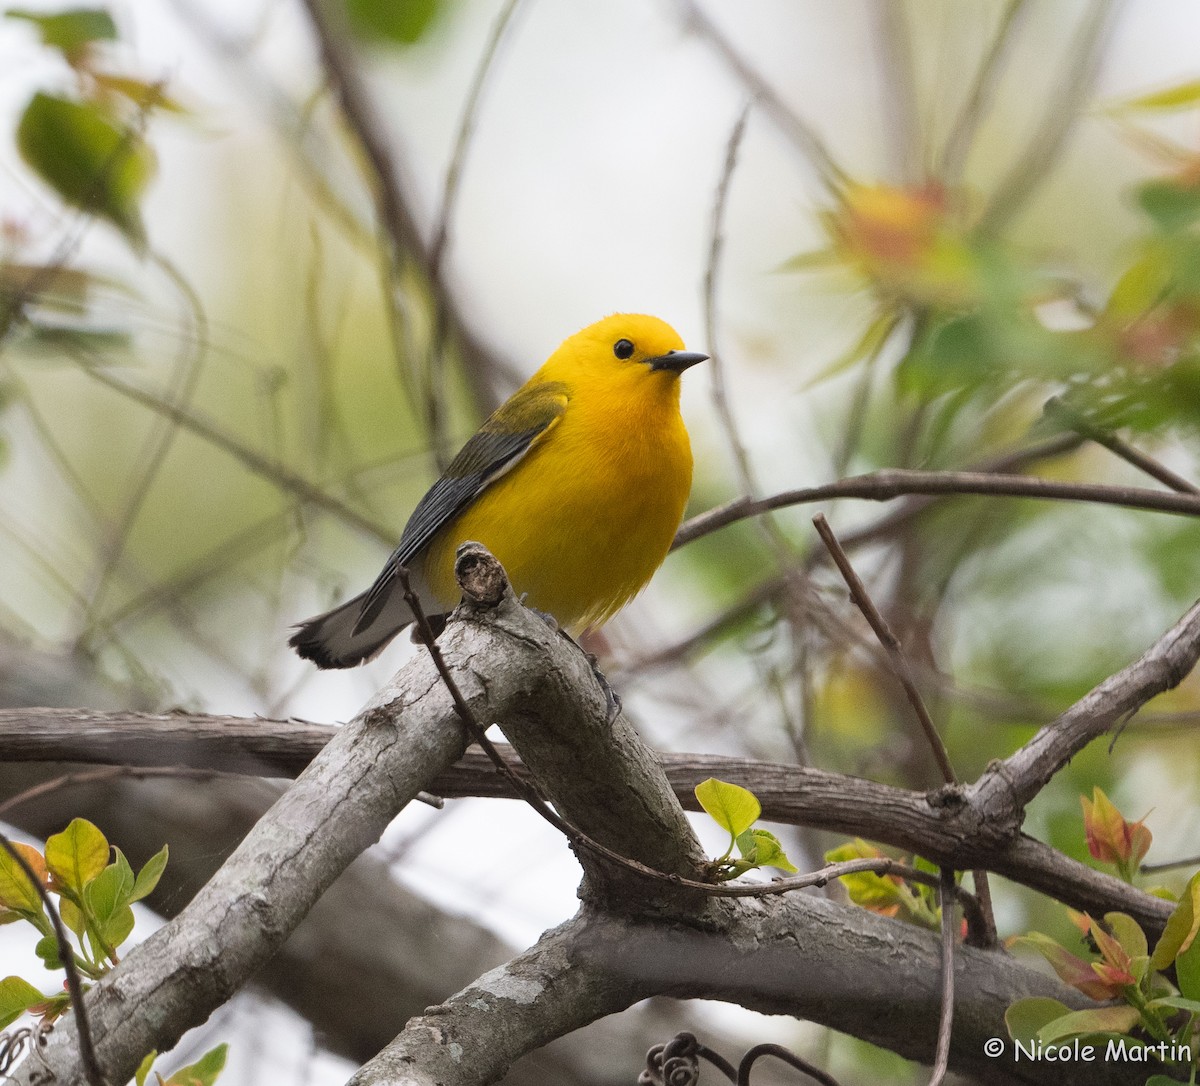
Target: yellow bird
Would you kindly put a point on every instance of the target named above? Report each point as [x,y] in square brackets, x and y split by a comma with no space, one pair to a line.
[576,484]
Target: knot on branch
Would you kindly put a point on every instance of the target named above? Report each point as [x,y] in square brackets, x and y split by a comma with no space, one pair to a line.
[946,797]
[480,575]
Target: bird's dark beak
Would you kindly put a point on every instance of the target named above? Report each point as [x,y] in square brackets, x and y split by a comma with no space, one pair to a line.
[676,361]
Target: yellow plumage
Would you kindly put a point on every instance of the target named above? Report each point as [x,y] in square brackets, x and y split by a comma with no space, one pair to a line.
[577,485]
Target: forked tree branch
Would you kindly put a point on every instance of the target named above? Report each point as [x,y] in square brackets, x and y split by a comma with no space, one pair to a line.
[509,665]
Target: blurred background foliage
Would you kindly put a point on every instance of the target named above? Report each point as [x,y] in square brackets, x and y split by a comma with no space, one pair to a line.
[944,235]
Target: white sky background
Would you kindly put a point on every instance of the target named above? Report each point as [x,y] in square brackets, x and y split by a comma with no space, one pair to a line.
[601,205]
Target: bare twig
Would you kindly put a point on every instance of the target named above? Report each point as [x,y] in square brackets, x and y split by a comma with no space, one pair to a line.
[895,653]
[799,131]
[958,143]
[941,1064]
[394,210]
[275,473]
[986,934]
[1034,164]
[436,378]
[1004,790]
[1170,865]
[898,482]
[179,393]
[899,85]
[1056,409]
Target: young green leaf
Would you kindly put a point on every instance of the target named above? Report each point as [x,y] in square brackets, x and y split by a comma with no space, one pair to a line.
[71,30]
[76,856]
[1027,1017]
[143,1071]
[1180,96]
[16,891]
[70,915]
[92,163]
[389,21]
[203,1072]
[111,890]
[147,878]
[766,849]
[47,950]
[1099,1020]
[16,997]
[1187,970]
[732,807]
[1182,926]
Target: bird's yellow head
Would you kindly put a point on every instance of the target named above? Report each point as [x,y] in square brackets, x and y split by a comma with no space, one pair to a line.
[624,349]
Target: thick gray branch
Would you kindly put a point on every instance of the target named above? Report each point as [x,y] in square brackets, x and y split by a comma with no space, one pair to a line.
[1000,795]
[793,795]
[807,957]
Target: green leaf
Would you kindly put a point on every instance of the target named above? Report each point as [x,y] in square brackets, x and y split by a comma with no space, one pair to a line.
[1187,970]
[401,22]
[147,878]
[16,891]
[70,915]
[47,951]
[1180,96]
[143,1071]
[1171,205]
[203,1072]
[1100,1020]
[1128,933]
[1027,1017]
[88,160]
[1181,927]
[729,805]
[70,30]
[766,849]
[16,997]
[76,856]
[116,930]
[1178,1002]
[110,891]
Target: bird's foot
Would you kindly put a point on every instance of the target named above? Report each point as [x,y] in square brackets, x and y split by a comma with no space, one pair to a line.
[612,700]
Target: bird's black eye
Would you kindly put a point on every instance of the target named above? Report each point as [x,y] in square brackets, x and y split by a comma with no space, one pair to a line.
[623,348]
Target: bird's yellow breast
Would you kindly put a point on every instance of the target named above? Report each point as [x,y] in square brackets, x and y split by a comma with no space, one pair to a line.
[588,514]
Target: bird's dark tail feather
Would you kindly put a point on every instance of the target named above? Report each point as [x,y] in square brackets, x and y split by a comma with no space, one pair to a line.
[331,640]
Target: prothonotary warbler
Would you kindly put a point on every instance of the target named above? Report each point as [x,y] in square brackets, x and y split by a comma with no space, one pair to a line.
[576,484]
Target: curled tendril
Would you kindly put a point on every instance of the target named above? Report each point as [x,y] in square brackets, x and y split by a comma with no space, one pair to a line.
[14,1042]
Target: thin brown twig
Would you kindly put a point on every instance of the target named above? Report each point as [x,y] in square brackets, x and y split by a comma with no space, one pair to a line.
[393,210]
[1056,409]
[895,653]
[747,481]
[903,673]
[899,107]
[283,478]
[941,1065]
[1170,865]
[892,483]
[436,378]
[158,444]
[1062,111]
[105,773]
[66,955]
[958,143]
[795,128]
